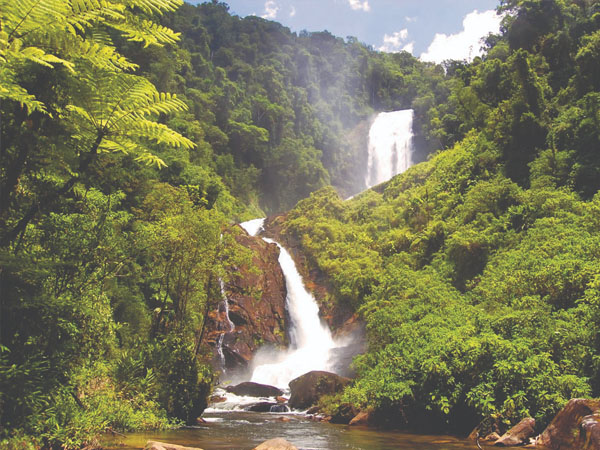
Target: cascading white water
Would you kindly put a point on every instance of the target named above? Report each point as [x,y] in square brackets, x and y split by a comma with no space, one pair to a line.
[390,146]
[230,324]
[311,340]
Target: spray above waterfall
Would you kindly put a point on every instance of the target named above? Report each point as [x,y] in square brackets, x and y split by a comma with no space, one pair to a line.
[390,146]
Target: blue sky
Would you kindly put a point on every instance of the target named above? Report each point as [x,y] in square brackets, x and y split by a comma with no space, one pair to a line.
[430,29]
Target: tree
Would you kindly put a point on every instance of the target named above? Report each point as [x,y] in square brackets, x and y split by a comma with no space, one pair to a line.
[96,104]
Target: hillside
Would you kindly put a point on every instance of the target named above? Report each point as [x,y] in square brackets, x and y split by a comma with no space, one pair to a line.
[477,271]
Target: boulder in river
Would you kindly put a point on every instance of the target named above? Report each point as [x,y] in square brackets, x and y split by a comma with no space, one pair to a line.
[344,414]
[251,389]
[279,408]
[362,418]
[590,428]
[307,389]
[154,445]
[573,426]
[260,407]
[518,435]
[276,444]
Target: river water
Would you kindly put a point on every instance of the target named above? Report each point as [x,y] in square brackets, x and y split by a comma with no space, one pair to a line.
[244,431]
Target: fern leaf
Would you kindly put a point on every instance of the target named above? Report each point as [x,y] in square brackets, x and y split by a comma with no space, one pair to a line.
[160,134]
[147,32]
[155,6]
[127,146]
[151,160]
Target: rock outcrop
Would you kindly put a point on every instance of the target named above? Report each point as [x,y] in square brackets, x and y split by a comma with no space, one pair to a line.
[574,427]
[518,435]
[251,389]
[590,429]
[154,445]
[362,418]
[261,407]
[256,297]
[307,389]
[276,444]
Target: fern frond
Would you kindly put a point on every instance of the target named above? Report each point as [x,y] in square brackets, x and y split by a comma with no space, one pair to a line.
[155,6]
[122,106]
[127,146]
[159,133]
[24,16]
[124,146]
[102,57]
[147,105]
[85,14]
[151,160]
[147,32]
[37,55]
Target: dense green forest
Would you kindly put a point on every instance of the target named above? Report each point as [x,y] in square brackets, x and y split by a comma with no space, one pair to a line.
[133,133]
[477,272]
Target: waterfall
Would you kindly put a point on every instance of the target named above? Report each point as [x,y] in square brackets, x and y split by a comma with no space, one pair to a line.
[225,304]
[230,324]
[311,340]
[390,146]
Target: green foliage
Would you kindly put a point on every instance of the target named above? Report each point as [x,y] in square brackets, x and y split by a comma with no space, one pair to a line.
[279,103]
[479,296]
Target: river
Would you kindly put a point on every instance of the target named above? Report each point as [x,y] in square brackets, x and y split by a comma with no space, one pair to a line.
[244,431]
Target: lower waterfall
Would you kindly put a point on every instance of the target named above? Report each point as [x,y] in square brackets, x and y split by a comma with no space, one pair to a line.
[310,339]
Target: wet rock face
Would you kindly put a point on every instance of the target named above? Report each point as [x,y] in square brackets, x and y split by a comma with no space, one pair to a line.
[248,388]
[518,435]
[276,444]
[307,389]
[256,307]
[574,427]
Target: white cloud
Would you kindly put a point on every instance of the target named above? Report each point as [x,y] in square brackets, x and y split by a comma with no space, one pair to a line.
[357,5]
[409,47]
[271,10]
[465,44]
[410,19]
[396,42]
[292,11]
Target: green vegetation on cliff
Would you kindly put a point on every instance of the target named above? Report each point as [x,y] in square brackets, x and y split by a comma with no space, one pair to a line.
[477,272]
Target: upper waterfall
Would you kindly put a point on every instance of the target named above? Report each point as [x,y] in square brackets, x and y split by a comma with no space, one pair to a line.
[390,146]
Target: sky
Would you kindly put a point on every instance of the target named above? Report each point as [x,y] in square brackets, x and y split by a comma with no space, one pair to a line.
[433,30]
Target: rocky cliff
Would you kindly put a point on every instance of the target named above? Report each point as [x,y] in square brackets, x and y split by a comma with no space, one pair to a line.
[256,307]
